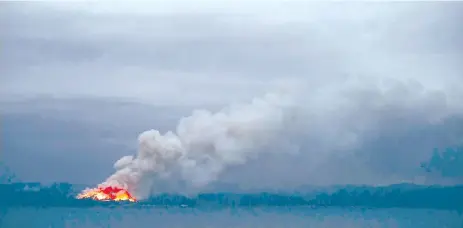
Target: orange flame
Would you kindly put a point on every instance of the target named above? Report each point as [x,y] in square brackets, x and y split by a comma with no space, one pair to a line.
[107,194]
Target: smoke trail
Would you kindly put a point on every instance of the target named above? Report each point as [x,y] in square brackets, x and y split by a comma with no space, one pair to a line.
[335,121]
[203,145]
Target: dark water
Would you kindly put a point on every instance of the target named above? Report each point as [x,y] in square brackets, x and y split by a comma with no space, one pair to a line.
[32,205]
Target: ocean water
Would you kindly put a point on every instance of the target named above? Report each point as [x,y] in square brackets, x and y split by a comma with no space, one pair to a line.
[251,217]
[393,206]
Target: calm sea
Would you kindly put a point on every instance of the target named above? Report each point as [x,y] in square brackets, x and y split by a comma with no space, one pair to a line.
[252,217]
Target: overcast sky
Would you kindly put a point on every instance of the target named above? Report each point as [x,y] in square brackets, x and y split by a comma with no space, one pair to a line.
[208,54]
[180,52]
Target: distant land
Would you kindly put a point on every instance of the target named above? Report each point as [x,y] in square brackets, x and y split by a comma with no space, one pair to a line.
[392,196]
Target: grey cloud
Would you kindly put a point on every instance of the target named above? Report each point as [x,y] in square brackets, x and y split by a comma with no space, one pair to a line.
[220,56]
[225,49]
[192,43]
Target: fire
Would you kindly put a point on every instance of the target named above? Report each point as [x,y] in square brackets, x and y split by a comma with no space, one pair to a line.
[107,194]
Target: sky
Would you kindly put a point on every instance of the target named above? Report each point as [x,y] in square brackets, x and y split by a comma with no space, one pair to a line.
[376,85]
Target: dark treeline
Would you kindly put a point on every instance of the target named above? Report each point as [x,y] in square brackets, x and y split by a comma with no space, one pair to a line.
[399,196]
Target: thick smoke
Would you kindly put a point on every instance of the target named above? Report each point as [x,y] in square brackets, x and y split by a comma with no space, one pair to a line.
[203,145]
[325,125]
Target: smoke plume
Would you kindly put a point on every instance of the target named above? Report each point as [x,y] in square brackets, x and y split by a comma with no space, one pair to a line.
[320,125]
[203,145]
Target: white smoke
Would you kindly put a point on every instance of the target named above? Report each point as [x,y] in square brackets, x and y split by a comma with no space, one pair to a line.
[331,120]
[203,145]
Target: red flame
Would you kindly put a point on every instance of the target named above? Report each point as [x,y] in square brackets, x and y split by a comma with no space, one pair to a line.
[107,194]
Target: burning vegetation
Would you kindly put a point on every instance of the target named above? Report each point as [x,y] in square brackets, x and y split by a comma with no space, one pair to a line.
[107,194]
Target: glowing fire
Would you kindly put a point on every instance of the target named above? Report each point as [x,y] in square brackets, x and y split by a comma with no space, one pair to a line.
[107,194]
